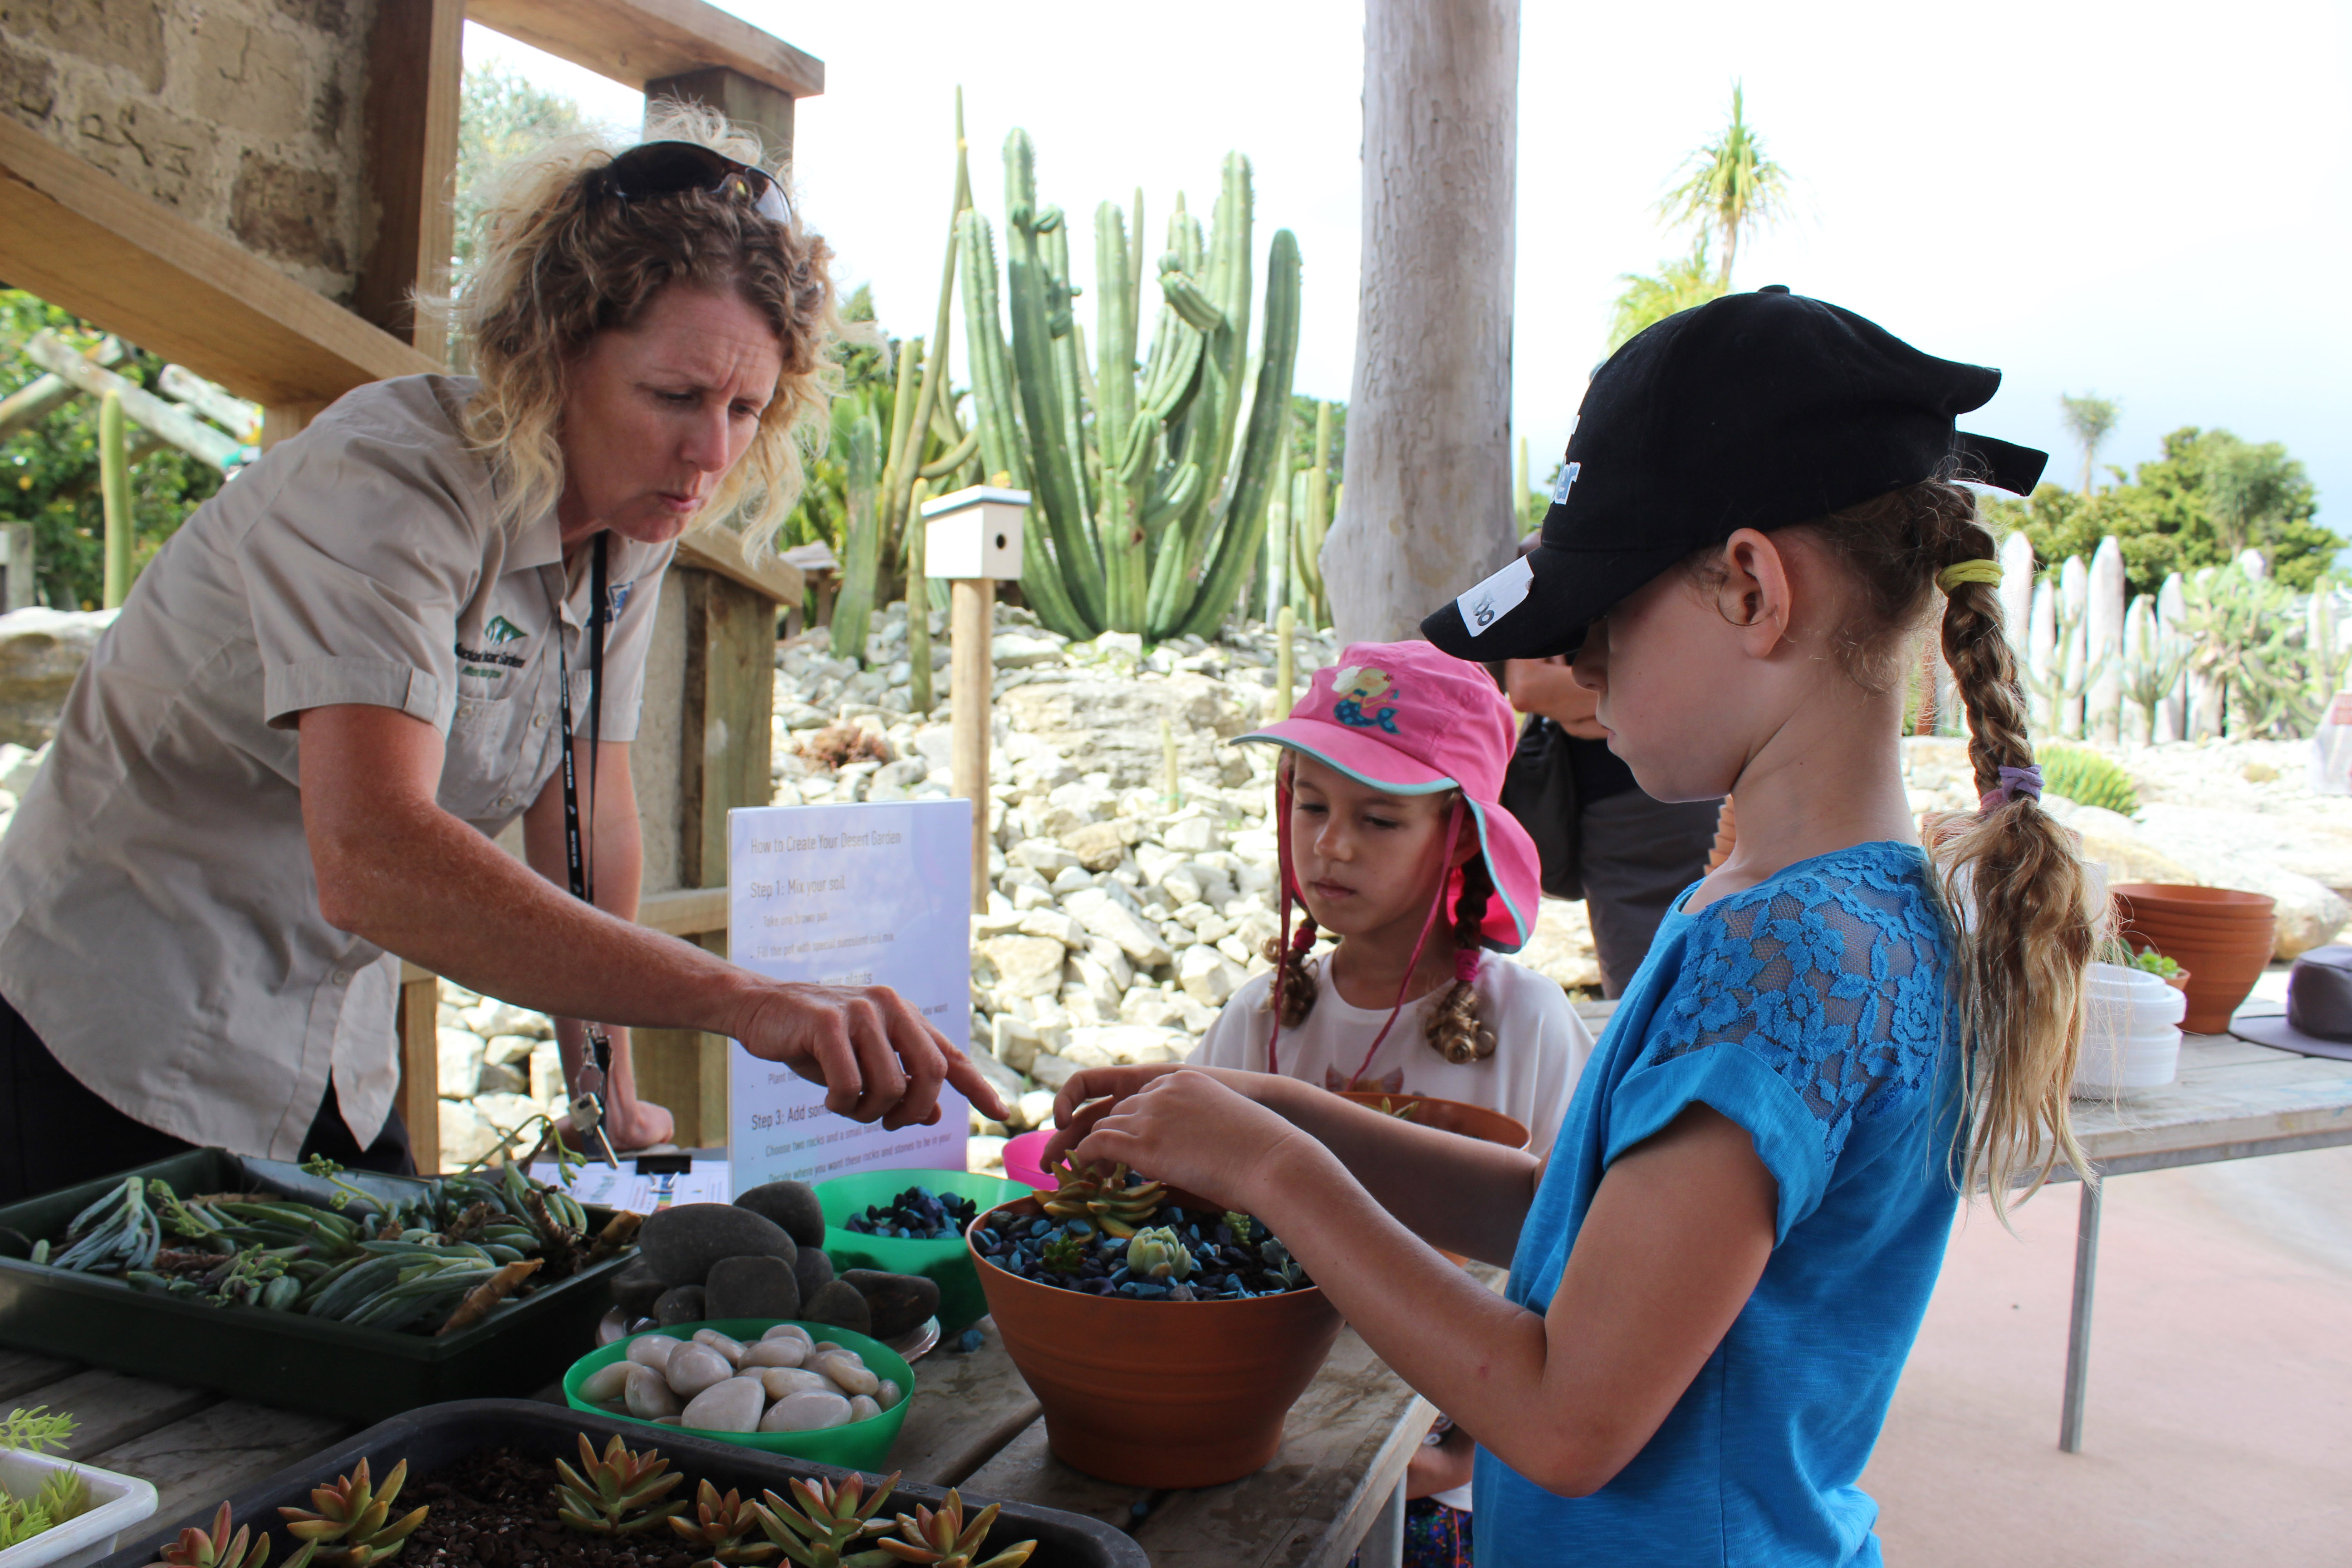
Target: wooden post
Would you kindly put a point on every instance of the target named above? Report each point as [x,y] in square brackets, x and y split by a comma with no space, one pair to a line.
[417,1026]
[972,602]
[766,108]
[414,70]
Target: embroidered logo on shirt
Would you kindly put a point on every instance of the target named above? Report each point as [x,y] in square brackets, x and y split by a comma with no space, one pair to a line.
[501,629]
[1354,687]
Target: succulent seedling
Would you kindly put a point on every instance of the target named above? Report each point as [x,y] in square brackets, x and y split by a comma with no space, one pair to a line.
[1402,1112]
[1159,1253]
[1064,1254]
[939,1538]
[1241,1225]
[720,1525]
[1117,1208]
[352,1513]
[830,1518]
[617,1493]
[217,1548]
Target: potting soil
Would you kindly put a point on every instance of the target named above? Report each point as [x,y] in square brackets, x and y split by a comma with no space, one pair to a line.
[496,1508]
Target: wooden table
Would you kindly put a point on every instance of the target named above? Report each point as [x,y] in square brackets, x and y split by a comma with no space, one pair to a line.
[1336,1482]
[2233,1100]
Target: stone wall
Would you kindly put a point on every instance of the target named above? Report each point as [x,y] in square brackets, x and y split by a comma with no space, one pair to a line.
[243,116]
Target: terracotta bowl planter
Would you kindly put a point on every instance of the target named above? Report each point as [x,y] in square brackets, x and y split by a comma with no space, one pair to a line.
[1157,1394]
[2221,936]
[1448,1116]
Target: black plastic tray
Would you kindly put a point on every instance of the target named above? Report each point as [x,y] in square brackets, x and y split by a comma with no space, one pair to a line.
[432,1439]
[280,1358]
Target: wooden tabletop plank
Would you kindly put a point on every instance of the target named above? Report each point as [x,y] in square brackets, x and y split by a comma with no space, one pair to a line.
[196,1462]
[968,1405]
[22,1374]
[2228,1092]
[111,1408]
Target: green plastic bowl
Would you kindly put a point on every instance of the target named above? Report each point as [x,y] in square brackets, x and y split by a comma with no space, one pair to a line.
[860,1446]
[947,1261]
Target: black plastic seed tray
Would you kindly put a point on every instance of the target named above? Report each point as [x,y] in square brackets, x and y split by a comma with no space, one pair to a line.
[279,1358]
[432,1439]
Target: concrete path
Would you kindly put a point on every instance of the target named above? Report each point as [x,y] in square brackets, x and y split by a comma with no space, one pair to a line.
[2219,1424]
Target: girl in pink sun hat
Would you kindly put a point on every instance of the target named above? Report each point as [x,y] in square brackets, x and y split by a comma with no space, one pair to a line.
[1393,840]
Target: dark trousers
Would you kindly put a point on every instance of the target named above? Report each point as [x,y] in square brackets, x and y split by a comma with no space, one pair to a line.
[1636,853]
[54,1132]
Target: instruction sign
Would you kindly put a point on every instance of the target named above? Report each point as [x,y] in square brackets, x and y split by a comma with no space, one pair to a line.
[848,895]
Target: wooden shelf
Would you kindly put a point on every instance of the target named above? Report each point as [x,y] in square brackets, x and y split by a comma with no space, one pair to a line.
[714,550]
[638,41]
[81,239]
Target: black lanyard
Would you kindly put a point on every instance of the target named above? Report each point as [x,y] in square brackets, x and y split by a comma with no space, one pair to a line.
[583,886]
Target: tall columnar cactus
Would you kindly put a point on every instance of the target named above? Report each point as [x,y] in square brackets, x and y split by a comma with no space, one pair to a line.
[114,491]
[1150,522]
[862,549]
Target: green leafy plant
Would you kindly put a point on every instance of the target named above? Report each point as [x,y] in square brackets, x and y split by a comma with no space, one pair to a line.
[2087,778]
[939,1538]
[615,1493]
[349,1522]
[832,1516]
[1065,1254]
[1104,1198]
[2156,963]
[64,1496]
[720,1525]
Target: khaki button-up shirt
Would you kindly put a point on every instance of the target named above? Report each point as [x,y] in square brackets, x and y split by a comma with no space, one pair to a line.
[160,926]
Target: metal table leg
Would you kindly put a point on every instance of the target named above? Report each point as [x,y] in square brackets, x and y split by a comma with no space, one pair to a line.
[1385,1543]
[2078,1329]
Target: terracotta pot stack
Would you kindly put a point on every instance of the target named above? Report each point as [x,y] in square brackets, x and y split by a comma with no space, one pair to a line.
[2222,937]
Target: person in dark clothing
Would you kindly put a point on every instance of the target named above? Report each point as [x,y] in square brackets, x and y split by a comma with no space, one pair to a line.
[1600,838]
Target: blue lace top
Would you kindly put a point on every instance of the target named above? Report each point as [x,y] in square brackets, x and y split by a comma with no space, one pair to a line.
[1813,1010]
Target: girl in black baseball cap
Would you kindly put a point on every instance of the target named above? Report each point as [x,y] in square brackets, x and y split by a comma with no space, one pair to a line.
[1719,1272]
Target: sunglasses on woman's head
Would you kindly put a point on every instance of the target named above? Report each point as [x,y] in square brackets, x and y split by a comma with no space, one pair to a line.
[669,168]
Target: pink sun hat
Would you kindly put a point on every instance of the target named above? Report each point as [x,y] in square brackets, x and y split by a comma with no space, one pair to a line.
[1406,718]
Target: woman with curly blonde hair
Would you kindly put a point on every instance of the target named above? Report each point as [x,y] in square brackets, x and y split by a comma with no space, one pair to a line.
[366,657]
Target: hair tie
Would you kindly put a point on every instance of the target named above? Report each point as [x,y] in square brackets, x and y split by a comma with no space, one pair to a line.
[2016,784]
[1978,571]
[1304,938]
[1465,965]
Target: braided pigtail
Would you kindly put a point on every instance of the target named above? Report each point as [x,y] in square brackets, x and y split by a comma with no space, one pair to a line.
[1293,990]
[1454,1030]
[2026,933]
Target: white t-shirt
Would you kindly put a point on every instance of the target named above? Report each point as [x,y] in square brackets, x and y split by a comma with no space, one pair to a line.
[1541,1045]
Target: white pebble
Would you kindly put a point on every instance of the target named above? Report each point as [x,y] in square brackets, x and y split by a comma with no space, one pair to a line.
[783,1382]
[862,1408]
[653,1350]
[607,1383]
[773,1353]
[726,1345]
[829,1345]
[787,1331]
[649,1396]
[888,1394]
[806,1411]
[847,1370]
[695,1368]
[732,1405]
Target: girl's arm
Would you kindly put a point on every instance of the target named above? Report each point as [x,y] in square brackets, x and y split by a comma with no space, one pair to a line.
[1464,1194]
[1678,1234]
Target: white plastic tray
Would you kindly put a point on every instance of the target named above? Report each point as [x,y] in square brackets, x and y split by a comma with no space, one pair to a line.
[119,1504]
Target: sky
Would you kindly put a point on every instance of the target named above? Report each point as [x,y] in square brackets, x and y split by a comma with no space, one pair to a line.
[2150,202]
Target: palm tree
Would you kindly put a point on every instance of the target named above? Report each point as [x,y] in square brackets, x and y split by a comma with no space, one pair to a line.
[1731,188]
[1650,298]
[2089,419]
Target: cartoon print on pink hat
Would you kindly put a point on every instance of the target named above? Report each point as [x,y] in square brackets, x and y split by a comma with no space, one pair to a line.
[1354,686]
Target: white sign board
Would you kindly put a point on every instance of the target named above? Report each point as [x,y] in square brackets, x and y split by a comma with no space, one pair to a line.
[848,895]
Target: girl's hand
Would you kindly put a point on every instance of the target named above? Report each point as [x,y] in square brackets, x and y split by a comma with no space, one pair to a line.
[1091,1095]
[1188,1128]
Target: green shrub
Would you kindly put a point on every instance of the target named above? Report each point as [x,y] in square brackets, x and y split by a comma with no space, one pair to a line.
[2087,778]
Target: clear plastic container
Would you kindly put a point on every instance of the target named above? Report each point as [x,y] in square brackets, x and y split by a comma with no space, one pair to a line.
[119,1504]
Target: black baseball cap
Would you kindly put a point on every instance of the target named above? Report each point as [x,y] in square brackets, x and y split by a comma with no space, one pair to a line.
[1751,411]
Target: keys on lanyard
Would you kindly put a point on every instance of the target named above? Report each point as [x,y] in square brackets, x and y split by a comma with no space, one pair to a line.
[588,1087]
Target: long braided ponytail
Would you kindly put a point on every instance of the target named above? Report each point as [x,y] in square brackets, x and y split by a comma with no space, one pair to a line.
[1455,1031]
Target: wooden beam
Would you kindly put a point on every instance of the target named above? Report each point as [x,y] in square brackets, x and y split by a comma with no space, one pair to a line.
[727,740]
[417,1024]
[81,239]
[638,41]
[716,550]
[742,100]
[416,67]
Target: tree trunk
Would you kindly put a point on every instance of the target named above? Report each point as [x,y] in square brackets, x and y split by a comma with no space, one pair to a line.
[1426,508]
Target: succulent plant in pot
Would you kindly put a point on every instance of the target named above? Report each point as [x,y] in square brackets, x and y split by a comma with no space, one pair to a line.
[1165,1340]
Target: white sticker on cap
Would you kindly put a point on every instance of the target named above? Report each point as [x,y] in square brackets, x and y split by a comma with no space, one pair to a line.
[1567,482]
[1498,596]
